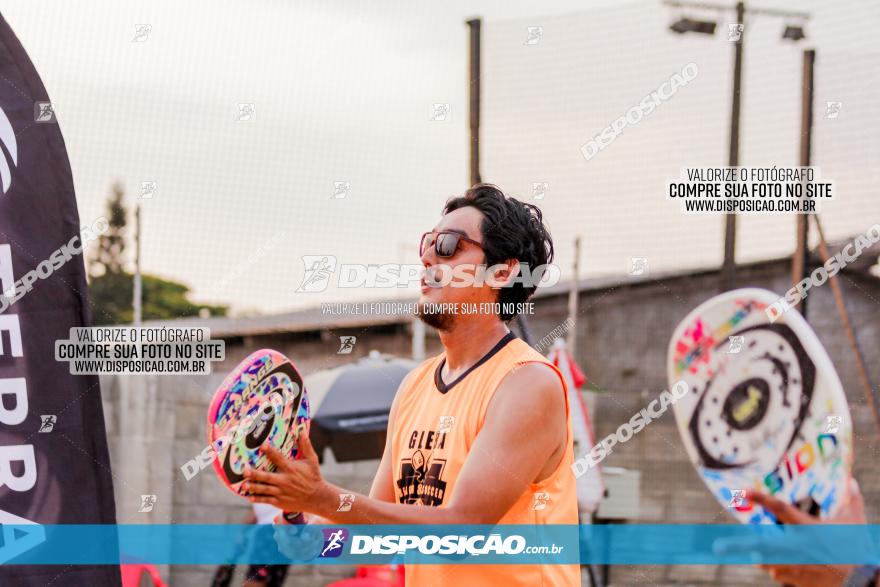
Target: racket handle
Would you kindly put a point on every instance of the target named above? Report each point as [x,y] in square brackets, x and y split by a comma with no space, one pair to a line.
[293,518]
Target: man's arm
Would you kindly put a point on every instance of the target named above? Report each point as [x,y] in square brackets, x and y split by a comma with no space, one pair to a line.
[524,429]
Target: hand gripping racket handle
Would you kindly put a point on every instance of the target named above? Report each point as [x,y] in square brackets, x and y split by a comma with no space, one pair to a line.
[290,518]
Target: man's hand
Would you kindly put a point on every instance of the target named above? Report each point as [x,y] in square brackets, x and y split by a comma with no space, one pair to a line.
[295,486]
[852,512]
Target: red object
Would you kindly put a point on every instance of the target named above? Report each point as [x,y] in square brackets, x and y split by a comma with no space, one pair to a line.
[132,574]
[374,576]
[577,375]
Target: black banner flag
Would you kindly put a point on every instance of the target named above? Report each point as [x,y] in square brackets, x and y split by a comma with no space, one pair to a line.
[54,463]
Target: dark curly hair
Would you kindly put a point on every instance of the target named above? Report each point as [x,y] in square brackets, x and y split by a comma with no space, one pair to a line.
[511,230]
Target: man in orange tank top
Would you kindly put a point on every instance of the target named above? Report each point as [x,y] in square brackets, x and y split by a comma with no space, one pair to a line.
[479,434]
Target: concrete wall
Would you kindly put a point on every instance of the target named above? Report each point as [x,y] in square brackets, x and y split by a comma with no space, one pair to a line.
[623,332]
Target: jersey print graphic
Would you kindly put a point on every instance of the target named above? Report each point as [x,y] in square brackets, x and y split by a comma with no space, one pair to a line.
[420,477]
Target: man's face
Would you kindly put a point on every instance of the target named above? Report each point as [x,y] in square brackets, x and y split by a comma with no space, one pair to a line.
[463,264]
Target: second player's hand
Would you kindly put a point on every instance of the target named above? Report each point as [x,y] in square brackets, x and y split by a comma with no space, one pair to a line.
[852,512]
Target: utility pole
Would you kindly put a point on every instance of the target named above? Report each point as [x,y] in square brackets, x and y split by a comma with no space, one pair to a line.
[474,99]
[800,262]
[728,268]
[136,303]
[573,293]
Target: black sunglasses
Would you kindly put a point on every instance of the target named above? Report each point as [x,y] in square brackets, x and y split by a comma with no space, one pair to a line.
[445,242]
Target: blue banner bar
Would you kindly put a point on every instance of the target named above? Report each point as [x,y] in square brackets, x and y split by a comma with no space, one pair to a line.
[632,544]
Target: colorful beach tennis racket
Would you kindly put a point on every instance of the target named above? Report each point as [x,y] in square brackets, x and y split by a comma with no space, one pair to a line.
[263,402]
[765,409]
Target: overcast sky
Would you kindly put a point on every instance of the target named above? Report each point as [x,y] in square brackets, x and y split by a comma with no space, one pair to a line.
[344,92]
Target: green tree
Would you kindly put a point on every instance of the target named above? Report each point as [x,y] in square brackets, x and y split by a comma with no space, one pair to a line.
[111,287]
[110,255]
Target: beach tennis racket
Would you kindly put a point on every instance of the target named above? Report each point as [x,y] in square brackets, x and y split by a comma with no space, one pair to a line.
[263,402]
[765,409]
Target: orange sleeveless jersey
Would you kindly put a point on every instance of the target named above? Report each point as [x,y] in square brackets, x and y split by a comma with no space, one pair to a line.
[432,436]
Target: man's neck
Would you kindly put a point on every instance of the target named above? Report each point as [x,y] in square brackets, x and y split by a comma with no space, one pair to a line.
[468,341]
